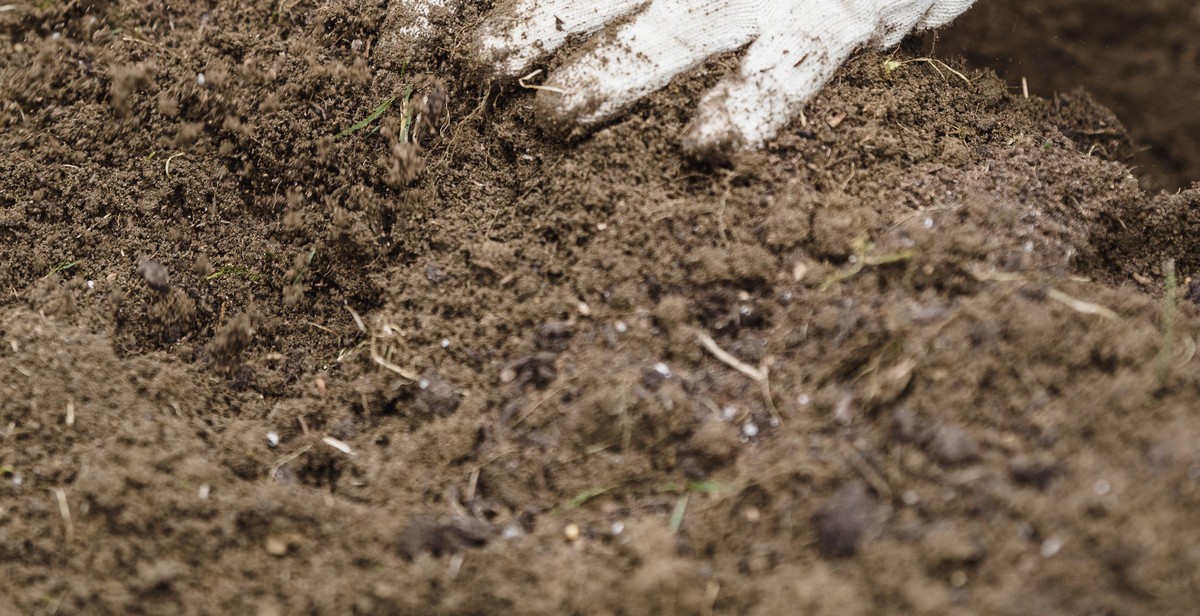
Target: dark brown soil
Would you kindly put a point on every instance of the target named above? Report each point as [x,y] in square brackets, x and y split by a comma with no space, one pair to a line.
[1141,59]
[917,357]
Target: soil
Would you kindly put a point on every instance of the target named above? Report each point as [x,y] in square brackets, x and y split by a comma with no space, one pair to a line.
[921,355]
[1142,60]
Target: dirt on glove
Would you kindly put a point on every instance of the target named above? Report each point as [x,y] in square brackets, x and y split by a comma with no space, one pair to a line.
[259,355]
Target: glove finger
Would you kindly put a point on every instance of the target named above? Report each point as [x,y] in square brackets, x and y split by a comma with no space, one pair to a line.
[666,39]
[521,31]
[898,18]
[787,65]
[943,12]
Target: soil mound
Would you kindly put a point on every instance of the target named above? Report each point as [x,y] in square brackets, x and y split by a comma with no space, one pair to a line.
[296,322]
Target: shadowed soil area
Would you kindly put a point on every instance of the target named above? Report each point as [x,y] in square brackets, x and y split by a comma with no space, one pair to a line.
[258,355]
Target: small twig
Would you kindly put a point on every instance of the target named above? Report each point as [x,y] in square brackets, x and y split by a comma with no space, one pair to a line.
[377,358]
[65,511]
[357,320]
[1081,306]
[729,360]
[523,84]
[766,385]
[338,445]
[169,159]
[285,460]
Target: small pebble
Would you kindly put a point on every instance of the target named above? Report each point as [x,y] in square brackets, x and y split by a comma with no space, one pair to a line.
[621,327]
[200,79]
[618,527]
[445,343]
[273,439]
[804,399]
[276,546]
[1051,547]
[1102,487]
[571,532]
[958,579]
[750,429]
[662,369]
[203,491]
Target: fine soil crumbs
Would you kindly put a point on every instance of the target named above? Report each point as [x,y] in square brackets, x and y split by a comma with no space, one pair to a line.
[932,351]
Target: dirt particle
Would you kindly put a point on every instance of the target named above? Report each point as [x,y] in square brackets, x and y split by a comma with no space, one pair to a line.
[435,274]
[231,341]
[952,445]
[553,336]
[843,521]
[425,535]
[155,274]
[538,369]
[436,396]
[1033,472]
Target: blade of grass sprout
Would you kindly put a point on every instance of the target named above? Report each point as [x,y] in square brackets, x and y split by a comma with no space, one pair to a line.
[680,509]
[585,496]
[708,486]
[409,112]
[379,111]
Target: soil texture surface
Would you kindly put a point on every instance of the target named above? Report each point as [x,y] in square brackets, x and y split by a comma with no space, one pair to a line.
[299,318]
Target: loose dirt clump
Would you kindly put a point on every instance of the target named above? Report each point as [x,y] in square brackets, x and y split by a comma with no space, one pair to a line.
[920,355]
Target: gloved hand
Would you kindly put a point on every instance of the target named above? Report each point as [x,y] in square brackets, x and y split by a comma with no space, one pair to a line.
[795,47]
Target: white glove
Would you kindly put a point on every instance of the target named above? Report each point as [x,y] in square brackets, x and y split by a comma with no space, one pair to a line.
[795,47]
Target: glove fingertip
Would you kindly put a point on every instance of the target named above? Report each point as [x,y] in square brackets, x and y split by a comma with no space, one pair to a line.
[561,114]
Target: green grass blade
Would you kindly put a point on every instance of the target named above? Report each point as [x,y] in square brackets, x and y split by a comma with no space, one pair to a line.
[361,124]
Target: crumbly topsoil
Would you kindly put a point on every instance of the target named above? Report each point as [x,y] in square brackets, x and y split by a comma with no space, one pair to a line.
[1141,59]
[919,356]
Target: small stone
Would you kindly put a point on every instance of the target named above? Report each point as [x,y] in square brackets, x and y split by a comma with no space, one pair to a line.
[276,546]
[571,532]
[1051,547]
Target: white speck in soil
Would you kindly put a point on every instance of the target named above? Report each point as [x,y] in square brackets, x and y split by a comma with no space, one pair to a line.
[1051,547]
[728,413]
[750,429]
[804,399]
[445,343]
[1029,246]
[17,480]
[512,532]
[423,383]
[200,79]
[1102,487]
[662,369]
[928,222]
[203,491]
[621,327]
[273,439]
[91,284]
[618,527]
[911,498]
